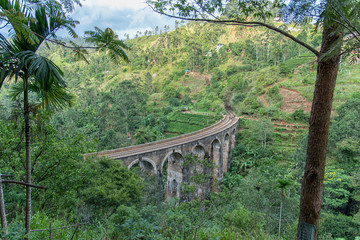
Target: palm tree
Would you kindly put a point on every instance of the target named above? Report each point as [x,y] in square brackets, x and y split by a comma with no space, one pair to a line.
[33,23]
[19,59]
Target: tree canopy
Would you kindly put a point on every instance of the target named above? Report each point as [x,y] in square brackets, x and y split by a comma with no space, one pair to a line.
[30,24]
[338,21]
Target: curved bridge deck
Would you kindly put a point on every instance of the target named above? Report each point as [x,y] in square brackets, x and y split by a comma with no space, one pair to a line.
[213,143]
[227,122]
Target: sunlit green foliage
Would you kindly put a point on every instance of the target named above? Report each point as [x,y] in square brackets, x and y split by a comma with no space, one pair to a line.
[145,98]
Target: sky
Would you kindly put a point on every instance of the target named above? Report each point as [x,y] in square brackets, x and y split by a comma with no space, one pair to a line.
[123,16]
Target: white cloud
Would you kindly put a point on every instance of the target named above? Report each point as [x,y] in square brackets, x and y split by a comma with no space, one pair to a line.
[116,4]
[121,15]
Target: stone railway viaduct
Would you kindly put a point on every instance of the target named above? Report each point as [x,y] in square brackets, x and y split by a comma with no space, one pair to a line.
[211,145]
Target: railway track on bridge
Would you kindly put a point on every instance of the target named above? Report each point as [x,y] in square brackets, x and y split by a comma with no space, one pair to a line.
[228,121]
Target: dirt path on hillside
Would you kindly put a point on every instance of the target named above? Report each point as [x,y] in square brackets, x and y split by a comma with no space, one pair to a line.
[266,87]
[293,101]
[201,77]
[262,97]
[264,101]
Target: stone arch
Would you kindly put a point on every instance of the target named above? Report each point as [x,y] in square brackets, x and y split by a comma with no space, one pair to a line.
[226,153]
[200,150]
[215,139]
[174,174]
[166,158]
[217,160]
[140,160]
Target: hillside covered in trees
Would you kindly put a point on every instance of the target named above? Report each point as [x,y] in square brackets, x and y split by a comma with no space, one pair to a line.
[177,82]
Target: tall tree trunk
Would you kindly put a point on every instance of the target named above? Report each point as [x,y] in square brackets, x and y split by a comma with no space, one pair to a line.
[27,157]
[312,182]
[2,209]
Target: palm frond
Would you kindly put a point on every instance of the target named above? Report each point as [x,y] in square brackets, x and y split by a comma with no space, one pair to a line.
[69,5]
[58,20]
[18,16]
[46,72]
[18,89]
[5,73]
[108,41]
[79,53]
[8,60]
[57,97]
[19,58]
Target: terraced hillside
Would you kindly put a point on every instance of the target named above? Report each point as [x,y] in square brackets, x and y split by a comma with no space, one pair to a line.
[186,122]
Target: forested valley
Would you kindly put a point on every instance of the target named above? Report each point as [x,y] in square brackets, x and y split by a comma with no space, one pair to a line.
[177,82]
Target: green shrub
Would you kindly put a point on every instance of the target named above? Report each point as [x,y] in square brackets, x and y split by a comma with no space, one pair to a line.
[186,100]
[274,95]
[217,75]
[244,221]
[124,213]
[300,115]
[259,90]
[252,103]
[174,102]
[309,79]
[245,68]
[198,119]
[231,70]
[15,230]
[289,65]
[185,123]
[179,73]
[239,97]
[138,229]
[168,110]
[125,69]
[109,184]
[170,135]
[179,127]
[339,226]
[171,92]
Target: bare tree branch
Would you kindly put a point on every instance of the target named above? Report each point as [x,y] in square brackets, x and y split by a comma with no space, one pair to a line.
[246,24]
[347,27]
[36,158]
[71,47]
[48,171]
[23,183]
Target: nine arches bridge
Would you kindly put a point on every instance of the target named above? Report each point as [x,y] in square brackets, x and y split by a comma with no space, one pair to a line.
[213,144]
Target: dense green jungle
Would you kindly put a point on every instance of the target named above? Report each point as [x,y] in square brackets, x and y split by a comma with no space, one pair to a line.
[177,82]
